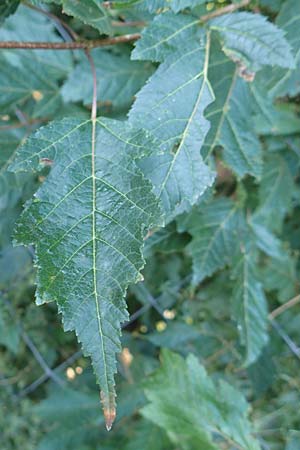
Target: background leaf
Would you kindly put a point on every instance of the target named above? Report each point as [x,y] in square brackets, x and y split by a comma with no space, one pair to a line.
[253,40]
[190,407]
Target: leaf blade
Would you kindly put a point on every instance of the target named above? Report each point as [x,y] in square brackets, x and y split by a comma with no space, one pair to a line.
[88,221]
[177,171]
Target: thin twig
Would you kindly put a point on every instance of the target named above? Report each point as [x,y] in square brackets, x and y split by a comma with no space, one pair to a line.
[225,10]
[294,301]
[33,386]
[40,359]
[292,346]
[84,44]
[29,343]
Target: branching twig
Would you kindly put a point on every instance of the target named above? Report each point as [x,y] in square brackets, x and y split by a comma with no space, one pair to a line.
[84,44]
[49,372]
[43,378]
[294,301]
[29,343]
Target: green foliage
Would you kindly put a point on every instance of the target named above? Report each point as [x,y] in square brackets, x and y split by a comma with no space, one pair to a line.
[151,188]
[193,409]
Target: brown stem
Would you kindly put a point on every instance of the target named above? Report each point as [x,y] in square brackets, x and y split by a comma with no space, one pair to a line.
[85,44]
[294,301]
[227,9]
[93,69]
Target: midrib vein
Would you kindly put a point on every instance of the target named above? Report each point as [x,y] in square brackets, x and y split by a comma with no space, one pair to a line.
[224,111]
[94,243]
[186,130]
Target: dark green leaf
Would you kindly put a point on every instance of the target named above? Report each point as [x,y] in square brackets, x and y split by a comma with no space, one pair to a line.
[87,222]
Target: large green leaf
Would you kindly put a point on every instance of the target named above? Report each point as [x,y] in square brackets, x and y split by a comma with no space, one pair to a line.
[252,40]
[216,228]
[118,79]
[249,306]
[173,113]
[195,412]
[87,222]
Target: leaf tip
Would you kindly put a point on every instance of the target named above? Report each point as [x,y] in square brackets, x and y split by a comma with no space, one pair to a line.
[109,410]
[109,415]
